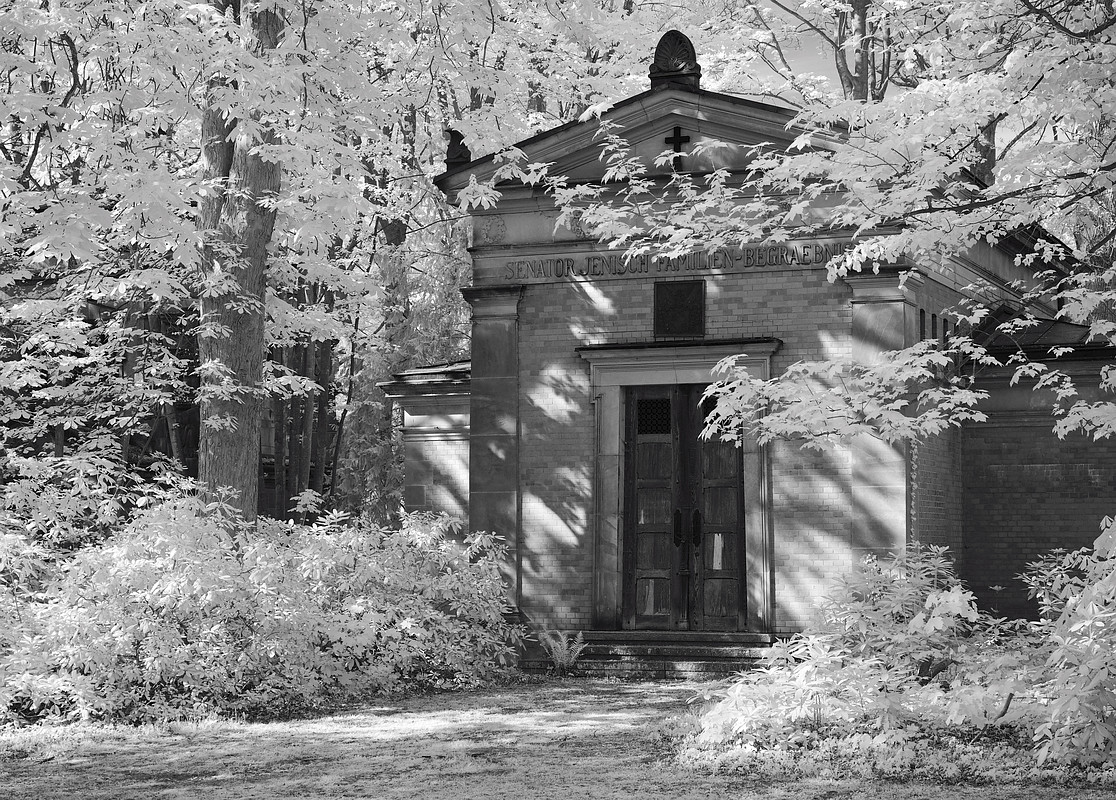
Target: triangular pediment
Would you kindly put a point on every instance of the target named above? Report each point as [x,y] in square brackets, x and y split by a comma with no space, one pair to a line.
[726,127]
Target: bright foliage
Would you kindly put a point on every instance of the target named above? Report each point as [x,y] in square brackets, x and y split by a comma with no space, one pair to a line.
[190,612]
[900,652]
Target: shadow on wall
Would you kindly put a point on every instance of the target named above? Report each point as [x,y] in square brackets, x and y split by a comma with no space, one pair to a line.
[437,476]
[1028,492]
[556,473]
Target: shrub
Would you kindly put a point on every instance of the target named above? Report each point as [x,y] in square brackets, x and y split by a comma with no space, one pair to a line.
[191,611]
[1077,592]
[899,642]
[909,610]
[900,647]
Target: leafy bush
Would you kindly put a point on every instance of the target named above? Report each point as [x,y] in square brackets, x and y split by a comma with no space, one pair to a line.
[192,611]
[909,610]
[1077,592]
[886,632]
[901,651]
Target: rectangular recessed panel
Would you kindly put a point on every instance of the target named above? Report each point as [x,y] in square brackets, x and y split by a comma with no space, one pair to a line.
[720,597]
[654,460]
[653,551]
[653,506]
[653,416]
[652,597]
[720,505]
[719,550]
[680,308]
[720,460]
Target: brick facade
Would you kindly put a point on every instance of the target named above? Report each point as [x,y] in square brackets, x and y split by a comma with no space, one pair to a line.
[546,450]
[1026,491]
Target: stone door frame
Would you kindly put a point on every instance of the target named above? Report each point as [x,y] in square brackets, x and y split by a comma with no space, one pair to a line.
[612,369]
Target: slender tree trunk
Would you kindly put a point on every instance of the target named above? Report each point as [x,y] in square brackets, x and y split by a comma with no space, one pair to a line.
[339,436]
[294,425]
[322,427]
[281,499]
[237,226]
[173,435]
[309,355]
[397,335]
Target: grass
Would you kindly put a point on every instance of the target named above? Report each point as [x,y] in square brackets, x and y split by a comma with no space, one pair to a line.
[558,739]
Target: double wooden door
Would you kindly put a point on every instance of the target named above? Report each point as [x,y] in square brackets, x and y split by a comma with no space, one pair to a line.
[683,517]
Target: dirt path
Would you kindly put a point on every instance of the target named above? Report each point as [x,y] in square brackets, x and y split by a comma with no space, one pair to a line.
[576,739]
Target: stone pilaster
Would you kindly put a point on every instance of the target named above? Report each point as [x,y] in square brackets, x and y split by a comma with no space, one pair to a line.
[494,420]
[884,317]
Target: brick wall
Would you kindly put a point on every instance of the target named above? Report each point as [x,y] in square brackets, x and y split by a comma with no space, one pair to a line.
[436,472]
[811,514]
[935,505]
[1025,492]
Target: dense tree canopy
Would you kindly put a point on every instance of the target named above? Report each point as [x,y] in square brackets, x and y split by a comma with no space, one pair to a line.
[228,206]
[221,216]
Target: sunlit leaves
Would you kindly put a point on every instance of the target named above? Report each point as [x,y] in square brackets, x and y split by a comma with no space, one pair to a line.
[190,611]
[905,395]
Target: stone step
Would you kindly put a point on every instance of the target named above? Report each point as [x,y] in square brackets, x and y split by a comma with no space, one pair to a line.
[649,668]
[674,637]
[658,650]
[659,654]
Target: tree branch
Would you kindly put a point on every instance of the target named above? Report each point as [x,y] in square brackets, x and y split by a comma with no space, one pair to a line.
[1058,26]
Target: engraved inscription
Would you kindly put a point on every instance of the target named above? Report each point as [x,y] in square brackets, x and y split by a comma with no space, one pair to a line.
[591,267]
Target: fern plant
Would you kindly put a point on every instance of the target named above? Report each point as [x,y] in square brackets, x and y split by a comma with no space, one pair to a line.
[564,650]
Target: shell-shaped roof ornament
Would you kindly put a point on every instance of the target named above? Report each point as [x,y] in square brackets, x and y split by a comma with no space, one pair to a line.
[675,65]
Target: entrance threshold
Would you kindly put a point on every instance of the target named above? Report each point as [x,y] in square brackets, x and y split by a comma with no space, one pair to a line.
[693,655]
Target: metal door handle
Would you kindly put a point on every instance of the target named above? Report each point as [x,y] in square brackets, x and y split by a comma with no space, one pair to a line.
[677,527]
[697,527]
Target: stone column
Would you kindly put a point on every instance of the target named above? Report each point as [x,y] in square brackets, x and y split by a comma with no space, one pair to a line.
[494,420]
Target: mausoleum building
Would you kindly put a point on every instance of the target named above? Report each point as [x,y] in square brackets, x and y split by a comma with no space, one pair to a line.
[573,430]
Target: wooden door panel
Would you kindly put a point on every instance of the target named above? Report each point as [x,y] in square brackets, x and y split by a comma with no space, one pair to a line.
[651,560]
[683,526]
[654,506]
[653,597]
[721,551]
[654,460]
[721,557]
[654,551]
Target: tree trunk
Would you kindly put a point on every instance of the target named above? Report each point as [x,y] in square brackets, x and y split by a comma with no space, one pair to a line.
[173,435]
[294,425]
[309,355]
[281,499]
[322,426]
[236,230]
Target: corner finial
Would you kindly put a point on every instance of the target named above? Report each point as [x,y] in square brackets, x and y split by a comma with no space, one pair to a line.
[457,153]
[675,64]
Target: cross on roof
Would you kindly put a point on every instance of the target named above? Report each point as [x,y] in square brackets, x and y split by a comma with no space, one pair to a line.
[677,139]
